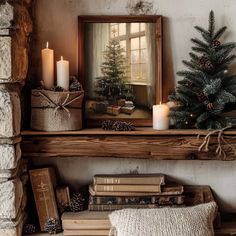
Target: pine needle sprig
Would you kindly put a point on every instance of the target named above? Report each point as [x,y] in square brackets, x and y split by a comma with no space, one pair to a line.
[199,43]
[200,50]
[219,33]
[202,31]
[211,28]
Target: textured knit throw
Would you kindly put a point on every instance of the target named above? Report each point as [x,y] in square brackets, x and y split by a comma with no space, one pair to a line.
[188,221]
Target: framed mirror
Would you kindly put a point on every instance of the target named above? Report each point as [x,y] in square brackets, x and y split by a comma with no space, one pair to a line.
[120,67]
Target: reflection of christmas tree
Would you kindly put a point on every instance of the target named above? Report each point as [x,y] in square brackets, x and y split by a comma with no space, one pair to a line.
[112,85]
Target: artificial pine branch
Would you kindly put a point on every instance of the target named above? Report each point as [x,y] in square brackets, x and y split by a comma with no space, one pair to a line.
[199,43]
[199,50]
[211,28]
[219,33]
[202,31]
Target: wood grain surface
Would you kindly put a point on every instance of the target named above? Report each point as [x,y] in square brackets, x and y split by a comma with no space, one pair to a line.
[144,144]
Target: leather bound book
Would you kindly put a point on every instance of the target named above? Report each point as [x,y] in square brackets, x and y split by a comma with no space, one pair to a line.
[43,183]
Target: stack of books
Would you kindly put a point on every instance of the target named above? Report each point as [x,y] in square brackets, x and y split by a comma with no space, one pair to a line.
[86,223]
[115,192]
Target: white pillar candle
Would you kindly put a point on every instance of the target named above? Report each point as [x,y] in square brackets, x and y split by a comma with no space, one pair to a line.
[63,74]
[161,117]
[48,67]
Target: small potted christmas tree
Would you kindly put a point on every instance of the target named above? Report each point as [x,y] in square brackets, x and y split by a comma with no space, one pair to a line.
[206,90]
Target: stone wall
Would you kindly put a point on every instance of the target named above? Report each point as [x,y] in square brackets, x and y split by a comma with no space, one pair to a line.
[15,29]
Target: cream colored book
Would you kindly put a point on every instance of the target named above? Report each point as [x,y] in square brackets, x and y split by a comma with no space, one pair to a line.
[127,188]
[85,220]
[141,179]
[166,191]
[86,232]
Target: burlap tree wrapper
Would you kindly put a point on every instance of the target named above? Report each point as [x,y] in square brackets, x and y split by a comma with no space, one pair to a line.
[56,111]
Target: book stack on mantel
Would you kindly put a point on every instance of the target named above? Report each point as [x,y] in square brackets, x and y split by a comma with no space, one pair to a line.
[115,192]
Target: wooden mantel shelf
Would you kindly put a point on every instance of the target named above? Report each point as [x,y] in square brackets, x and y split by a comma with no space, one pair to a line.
[144,143]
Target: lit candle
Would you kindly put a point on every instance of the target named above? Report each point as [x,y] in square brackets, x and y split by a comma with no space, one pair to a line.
[63,74]
[48,67]
[161,117]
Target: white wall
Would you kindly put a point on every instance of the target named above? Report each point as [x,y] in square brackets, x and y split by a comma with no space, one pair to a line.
[57,22]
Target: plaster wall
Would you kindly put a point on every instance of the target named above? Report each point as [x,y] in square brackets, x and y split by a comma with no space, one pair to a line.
[57,23]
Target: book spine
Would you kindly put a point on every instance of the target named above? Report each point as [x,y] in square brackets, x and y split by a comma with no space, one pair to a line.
[87,232]
[160,200]
[130,188]
[44,196]
[172,190]
[132,181]
[63,198]
[86,224]
[93,207]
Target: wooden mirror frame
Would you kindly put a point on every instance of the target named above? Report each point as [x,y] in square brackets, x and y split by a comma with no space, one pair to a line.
[82,20]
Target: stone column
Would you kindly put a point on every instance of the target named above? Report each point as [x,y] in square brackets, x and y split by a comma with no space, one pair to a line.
[15,28]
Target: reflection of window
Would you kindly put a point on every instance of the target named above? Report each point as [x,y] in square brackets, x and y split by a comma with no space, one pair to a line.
[133,39]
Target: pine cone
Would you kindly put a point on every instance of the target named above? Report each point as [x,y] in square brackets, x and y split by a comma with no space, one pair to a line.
[210,106]
[29,229]
[57,89]
[201,97]
[75,85]
[123,126]
[77,202]
[52,226]
[215,43]
[107,125]
[203,60]
[189,83]
[209,65]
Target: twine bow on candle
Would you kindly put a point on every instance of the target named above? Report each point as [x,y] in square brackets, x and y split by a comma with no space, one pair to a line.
[59,105]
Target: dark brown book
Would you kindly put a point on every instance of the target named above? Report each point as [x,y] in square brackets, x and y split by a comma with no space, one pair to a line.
[111,207]
[43,183]
[63,198]
[141,179]
[160,200]
[195,195]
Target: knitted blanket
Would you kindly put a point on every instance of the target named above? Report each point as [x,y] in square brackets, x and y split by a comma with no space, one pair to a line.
[188,221]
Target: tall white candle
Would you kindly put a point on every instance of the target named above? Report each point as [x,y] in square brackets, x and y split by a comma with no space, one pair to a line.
[48,67]
[63,74]
[161,117]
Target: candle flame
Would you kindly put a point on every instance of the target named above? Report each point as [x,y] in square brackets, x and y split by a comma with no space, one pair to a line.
[61,58]
[47,44]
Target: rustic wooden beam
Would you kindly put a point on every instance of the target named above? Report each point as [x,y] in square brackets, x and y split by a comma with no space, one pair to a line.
[144,144]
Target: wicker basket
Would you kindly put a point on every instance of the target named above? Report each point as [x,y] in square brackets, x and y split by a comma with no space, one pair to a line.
[56,111]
